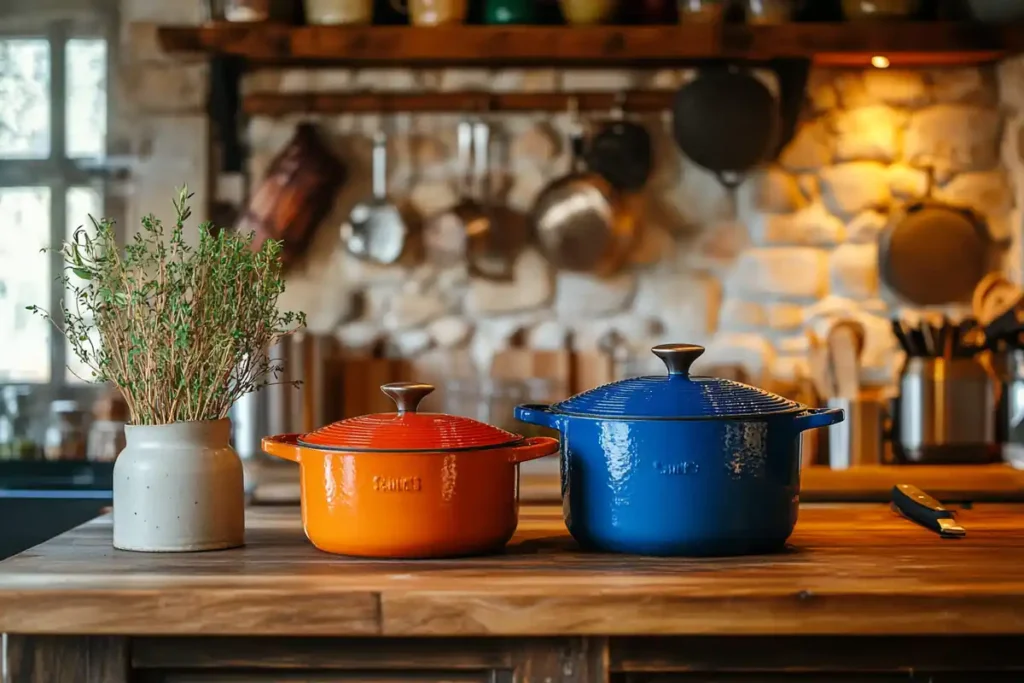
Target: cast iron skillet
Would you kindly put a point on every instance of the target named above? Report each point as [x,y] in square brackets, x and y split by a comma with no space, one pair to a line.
[934,254]
[727,121]
[621,151]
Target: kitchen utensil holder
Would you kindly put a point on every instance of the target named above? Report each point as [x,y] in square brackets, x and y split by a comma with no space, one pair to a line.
[857,441]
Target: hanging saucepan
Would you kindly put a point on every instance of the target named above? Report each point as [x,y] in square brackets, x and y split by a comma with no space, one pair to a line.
[447,234]
[409,484]
[727,121]
[621,151]
[678,464]
[581,221]
[492,253]
[934,254]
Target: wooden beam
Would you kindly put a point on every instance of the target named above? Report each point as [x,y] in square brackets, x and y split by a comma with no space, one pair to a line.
[280,104]
[908,43]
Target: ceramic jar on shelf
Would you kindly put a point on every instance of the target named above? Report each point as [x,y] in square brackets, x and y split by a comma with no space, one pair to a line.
[247,11]
[339,12]
[510,12]
[996,11]
[588,12]
[769,11]
[702,10]
[857,10]
[433,12]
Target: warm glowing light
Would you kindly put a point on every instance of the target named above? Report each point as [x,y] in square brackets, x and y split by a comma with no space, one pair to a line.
[880,62]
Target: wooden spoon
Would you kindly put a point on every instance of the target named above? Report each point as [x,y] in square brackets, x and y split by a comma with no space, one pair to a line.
[845,345]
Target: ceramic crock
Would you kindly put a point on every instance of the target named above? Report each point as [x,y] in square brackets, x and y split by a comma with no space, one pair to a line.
[409,484]
[178,488]
[679,464]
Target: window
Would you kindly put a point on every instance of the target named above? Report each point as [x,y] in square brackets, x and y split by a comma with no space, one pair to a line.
[53,141]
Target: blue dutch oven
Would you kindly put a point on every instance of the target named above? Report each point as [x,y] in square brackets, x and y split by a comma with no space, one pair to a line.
[680,465]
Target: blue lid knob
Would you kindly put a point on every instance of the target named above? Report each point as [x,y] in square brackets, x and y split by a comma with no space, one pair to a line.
[678,357]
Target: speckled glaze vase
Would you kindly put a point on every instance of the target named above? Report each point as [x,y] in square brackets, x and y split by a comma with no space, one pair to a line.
[178,488]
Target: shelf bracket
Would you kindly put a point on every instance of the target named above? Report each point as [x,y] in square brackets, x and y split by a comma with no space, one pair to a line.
[225,109]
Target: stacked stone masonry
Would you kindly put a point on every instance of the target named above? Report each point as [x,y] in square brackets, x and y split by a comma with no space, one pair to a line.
[747,274]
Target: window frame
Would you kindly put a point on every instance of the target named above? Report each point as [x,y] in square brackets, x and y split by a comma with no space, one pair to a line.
[58,22]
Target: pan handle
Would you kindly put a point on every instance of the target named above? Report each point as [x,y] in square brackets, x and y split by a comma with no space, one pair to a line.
[730,179]
[465,152]
[380,165]
[284,446]
[533,448]
[538,414]
[817,417]
[577,138]
[481,161]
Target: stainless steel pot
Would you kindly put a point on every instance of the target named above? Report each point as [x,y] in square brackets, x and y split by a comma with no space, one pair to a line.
[858,440]
[1011,406]
[946,413]
[581,221]
[283,408]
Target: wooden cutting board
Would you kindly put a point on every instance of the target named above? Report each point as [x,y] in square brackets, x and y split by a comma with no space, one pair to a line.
[360,382]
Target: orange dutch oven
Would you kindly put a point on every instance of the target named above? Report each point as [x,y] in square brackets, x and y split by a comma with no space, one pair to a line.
[409,484]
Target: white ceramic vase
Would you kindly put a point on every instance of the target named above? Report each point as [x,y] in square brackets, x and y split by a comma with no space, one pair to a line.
[178,488]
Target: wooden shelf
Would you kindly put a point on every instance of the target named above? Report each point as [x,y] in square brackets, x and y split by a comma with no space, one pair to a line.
[850,44]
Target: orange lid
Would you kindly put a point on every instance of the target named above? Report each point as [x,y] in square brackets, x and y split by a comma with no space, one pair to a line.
[407,430]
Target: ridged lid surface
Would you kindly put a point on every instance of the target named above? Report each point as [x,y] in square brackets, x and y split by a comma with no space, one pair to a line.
[407,430]
[676,395]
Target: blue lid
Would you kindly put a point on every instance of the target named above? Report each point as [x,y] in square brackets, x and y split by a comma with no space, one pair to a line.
[677,395]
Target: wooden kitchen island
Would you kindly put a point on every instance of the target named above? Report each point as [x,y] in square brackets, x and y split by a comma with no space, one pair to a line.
[861,596]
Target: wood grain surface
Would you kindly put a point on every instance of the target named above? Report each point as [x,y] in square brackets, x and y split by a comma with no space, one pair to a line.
[849,570]
[906,43]
[46,659]
[976,483]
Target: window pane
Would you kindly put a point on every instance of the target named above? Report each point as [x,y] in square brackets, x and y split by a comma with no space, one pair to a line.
[86,101]
[82,203]
[25,98]
[24,281]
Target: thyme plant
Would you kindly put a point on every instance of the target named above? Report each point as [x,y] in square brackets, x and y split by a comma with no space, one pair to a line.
[183,331]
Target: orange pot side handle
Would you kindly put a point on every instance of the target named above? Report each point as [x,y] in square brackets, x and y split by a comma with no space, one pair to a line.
[284,446]
[533,448]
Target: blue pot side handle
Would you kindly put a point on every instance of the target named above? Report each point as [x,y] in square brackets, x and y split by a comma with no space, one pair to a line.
[818,417]
[537,414]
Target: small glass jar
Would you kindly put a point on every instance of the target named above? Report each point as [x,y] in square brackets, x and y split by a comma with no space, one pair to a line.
[106,440]
[247,10]
[769,11]
[702,10]
[857,10]
[16,442]
[106,434]
[65,437]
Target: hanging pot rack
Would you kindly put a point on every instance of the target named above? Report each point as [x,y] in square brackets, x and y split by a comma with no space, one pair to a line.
[281,104]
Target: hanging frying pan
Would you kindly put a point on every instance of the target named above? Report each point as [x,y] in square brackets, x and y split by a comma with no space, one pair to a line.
[621,151]
[934,254]
[727,121]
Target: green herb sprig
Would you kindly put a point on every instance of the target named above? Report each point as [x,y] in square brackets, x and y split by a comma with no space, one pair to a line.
[183,331]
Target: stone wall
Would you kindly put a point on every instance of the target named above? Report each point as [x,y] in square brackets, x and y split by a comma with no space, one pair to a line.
[159,124]
[744,275]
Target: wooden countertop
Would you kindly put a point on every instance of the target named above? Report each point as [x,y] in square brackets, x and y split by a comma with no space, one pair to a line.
[279,484]
[851,569]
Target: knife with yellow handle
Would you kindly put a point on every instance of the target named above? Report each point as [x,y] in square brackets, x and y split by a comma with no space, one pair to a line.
[918,506]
